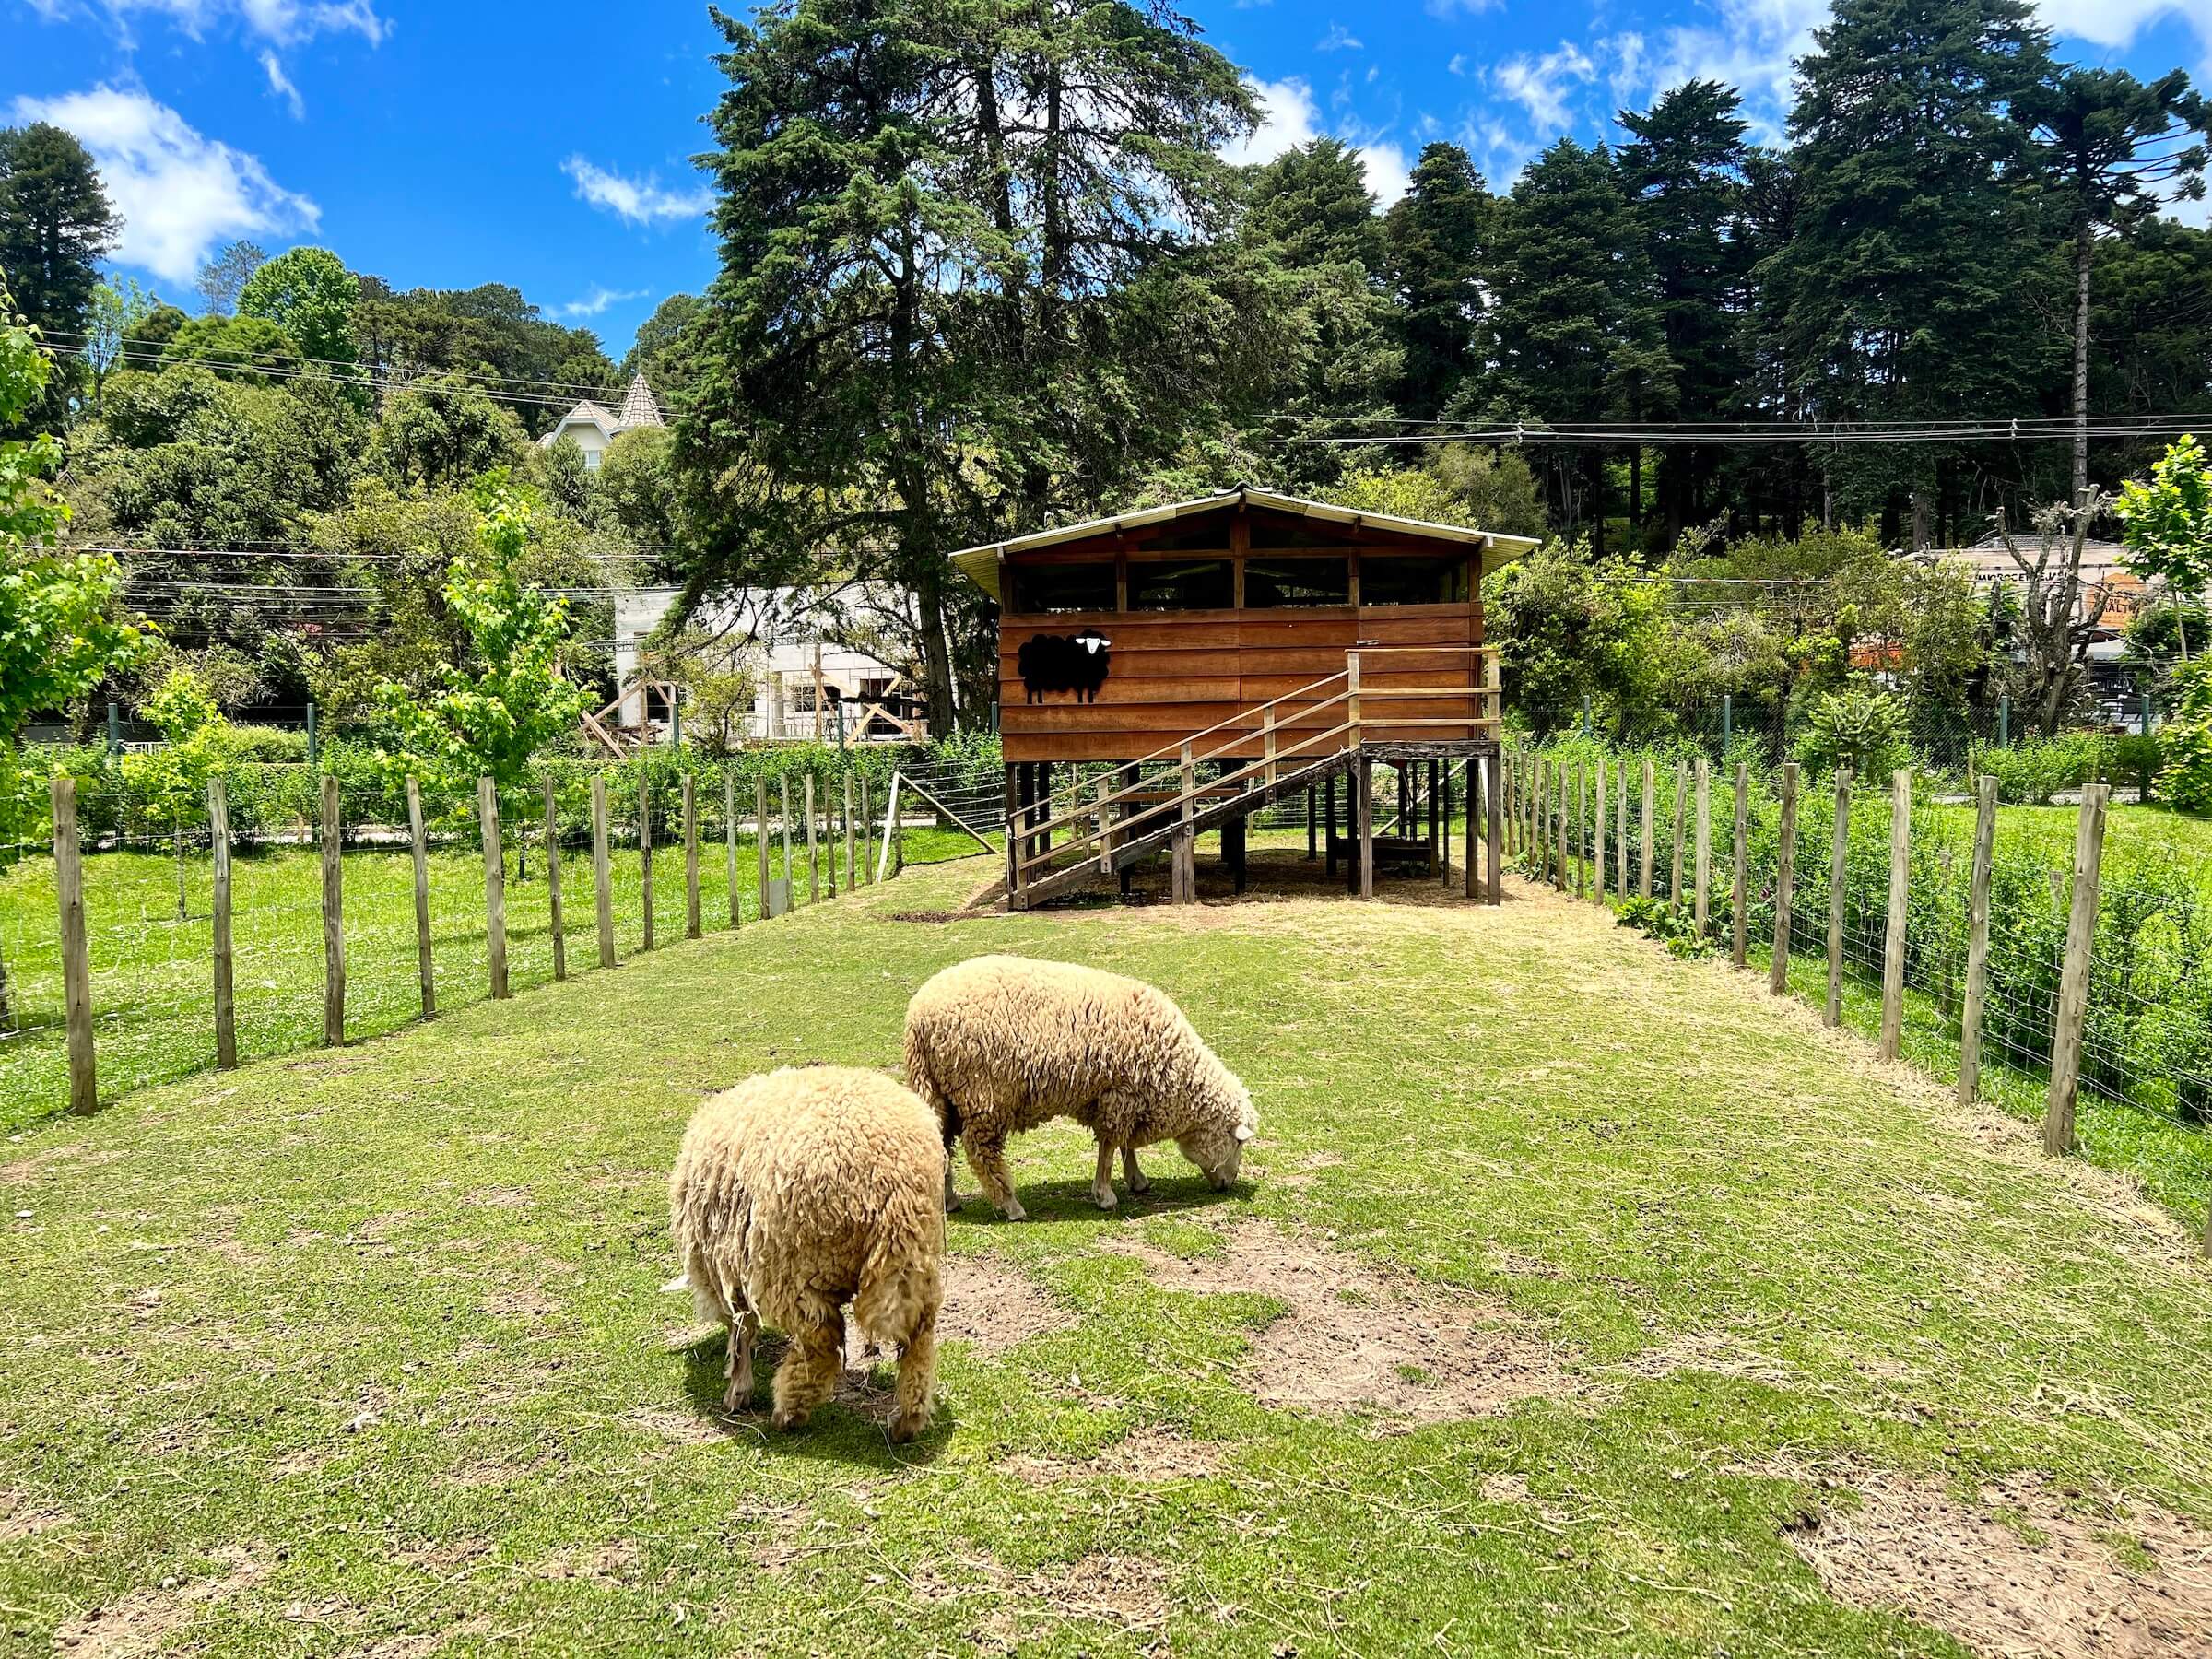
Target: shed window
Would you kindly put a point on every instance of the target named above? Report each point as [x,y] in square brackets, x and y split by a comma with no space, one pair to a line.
[1391,579]
[1045,588]
[1271,582]
[1206,584]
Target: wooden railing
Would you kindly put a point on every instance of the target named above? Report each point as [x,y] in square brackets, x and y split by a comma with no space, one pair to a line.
[1093,819]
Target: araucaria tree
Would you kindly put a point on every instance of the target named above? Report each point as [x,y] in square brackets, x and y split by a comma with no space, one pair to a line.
[508,699]
[950,240]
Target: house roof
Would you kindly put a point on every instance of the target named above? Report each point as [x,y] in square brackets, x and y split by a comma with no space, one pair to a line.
[981,564]
[639,409]
[586,413]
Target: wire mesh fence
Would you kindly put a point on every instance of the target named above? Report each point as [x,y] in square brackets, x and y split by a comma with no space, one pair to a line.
[2143,1042]
[408,905]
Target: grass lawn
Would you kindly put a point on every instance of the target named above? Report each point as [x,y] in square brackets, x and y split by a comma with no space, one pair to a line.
[152,972]
[2133,836]
[1579,1300]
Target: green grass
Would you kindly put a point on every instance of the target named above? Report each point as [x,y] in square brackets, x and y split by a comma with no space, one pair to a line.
[2133,836]
[384,1322]
[152,972]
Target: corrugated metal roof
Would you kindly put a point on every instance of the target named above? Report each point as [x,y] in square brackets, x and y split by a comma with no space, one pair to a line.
[981,564]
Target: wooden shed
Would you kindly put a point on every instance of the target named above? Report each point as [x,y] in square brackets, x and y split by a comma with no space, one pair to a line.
[1170,670]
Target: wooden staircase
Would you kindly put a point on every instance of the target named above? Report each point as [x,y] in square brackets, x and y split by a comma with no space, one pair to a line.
[1303,738]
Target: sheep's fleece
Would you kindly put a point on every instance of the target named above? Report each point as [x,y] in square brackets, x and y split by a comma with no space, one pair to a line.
[800,1191]
[999,1044]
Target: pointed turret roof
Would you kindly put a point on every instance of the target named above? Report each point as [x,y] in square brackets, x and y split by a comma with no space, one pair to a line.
[639,409]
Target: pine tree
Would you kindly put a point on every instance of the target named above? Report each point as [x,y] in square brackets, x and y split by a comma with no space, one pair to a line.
[1902,293]
[1311,205]
[56,225]
[1433,241]
[1684,173]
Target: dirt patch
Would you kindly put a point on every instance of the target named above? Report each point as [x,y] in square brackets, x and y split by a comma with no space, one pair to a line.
[940,916]
[25,1170]
[523,1301]
[1714,1352]
[20,1518]
[1148,1456]
[683,1427]
[501,1197]
[442,1556]
[995,1306]
[2054,1586]
[612,1565]
[1127,1590]
[143,1620]
[1525,1266]
[1357,1336]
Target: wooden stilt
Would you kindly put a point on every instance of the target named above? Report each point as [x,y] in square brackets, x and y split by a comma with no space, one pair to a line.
[1367,827]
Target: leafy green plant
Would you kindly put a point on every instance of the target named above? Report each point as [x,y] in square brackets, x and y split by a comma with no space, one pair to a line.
[1857,728]
[1672,925]
[2186,778]
[2169,523]
[2034,770]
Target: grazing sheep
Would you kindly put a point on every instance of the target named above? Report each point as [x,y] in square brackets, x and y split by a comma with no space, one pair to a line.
[800,1191]
[1075,663]
[1001,1044]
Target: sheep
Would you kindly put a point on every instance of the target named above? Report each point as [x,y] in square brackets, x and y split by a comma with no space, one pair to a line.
[1000,1043]
[796,1192]
[1075,663]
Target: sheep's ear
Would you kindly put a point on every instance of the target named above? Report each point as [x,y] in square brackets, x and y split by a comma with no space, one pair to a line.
[1243,1132]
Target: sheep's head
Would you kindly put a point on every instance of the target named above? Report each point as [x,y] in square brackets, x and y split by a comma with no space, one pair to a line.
[1217,1146]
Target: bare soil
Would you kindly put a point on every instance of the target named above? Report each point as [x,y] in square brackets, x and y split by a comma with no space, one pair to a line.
[1355,1336]
[142,1621]
[1147,1457]
[2016,1571]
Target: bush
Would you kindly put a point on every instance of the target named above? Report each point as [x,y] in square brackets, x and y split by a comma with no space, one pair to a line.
[1672,925]
[1855,728]
[270,746]
[2029,772]
[2185,779]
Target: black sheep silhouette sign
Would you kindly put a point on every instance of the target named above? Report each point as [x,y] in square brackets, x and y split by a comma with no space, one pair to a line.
[1075,663]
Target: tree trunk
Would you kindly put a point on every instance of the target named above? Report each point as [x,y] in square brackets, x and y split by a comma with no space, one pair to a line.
[1635,492]
[936,653]
[2084,245]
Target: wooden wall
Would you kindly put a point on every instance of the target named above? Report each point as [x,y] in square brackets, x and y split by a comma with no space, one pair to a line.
[1172,673]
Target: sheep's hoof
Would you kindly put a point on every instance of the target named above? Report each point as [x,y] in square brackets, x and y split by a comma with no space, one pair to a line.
[1103,1197]
[1141,1185]
[904,1429]
[789,1419]
[1011,1209]
[738,1396]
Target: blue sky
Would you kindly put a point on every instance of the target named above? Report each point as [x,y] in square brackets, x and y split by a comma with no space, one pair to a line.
[548,145]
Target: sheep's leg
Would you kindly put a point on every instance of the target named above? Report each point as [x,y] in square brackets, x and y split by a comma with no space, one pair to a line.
[738,1366]
[1138,1180]
[952,1197]
[988,1159]
[1101,1181]
[809,1372]
[917,1370]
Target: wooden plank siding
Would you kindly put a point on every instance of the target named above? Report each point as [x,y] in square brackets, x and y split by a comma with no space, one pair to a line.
[1174,674]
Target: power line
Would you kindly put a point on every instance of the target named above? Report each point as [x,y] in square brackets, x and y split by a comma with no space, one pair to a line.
[2035,429]
[83,341]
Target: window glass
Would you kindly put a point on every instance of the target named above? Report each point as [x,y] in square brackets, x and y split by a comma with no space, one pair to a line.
[1392,579]
[1271,582]
[1044,588]
[1205,584]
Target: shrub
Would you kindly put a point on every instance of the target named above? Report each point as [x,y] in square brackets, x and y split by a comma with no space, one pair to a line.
[2185,779]
[2032,770]
[1860,729]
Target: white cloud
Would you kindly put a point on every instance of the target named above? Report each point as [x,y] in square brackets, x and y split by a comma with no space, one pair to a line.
[1339,39]
[597,300]
[281,85]
[2118,22]
[1287,119]
[1446,10]
[1458,66]
[283,22]
[1541,85]
[635,201]
[178,192]
[1388,173]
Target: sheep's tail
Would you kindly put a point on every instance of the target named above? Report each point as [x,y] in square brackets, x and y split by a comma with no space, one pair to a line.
[923,1082]
[717,1279]
[900,1287]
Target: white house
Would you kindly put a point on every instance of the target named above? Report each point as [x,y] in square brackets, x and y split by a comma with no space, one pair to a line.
[809,686]
[594,428]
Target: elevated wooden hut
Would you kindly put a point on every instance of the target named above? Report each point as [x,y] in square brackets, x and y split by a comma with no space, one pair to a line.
[1172,670]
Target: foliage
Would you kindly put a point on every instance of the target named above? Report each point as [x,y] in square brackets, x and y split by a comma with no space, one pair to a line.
[1482,489]
[1672,923]
[2034,768]
[232,348]
[440,433]
[309,294]
[56,224]
[224,274]
[2168,525]
[118,309]
[509,700]
[197,744]
[1858,728]
[1433,241]
[2186,779]
[1569,626]
[489,330]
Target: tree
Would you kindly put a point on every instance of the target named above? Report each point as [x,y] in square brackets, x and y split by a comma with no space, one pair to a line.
[310,294]
[2060,613]
[509,699]
[485,331]
[1433,241]
[1311,205]
[1901,294]
[56,225]
[2168,526]
[232,348]
[2112,151]
[197,744]
[436,433]
[1684,176]
[119,310]
[222,277]
[1574,316]
[654,350]
[1480,489]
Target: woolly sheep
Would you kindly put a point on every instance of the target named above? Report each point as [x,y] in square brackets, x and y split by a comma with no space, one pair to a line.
[1000,1043]
[800,1191]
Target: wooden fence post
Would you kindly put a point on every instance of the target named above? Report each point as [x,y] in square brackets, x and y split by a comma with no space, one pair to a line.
[784,827]
[1785,870]
[729,843]
[761,840]
[219,841]
[1893,942]
[1582,830]
[1493,811]
[1674,868]
[867,819]
[603,873]
[1702,911]
[77,951]
[494,886]
[814,863]
[2074,981]
[1620,829]
[692,928]
[554,916]
[1559,875]
[1597,825]
[1977,941]
[1509,778]
[1367,826]
[1832,1010]
[1651,809]
[333,918]
[1740,874]
[419,843]
[645,853]
[849,876]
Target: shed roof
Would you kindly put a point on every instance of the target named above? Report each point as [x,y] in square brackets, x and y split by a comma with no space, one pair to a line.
[981,564]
